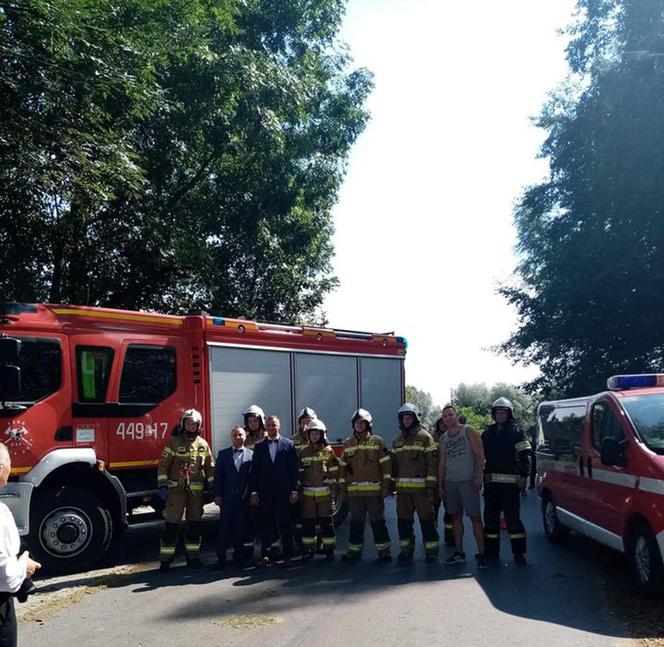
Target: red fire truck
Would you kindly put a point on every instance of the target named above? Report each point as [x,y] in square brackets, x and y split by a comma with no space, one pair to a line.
[89,396]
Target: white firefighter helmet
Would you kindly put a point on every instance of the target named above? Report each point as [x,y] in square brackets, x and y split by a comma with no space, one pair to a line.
[191,414]
[502,403]
[307,412]
[317,425]
[408,407]
[362,414]
[254,410]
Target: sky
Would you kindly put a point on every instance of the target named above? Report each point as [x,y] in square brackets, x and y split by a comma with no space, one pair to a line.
[424,223]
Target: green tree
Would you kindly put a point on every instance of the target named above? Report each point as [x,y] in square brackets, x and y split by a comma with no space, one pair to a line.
[424,402]
[174,155]
[591,237]
[478,398]
[474,419]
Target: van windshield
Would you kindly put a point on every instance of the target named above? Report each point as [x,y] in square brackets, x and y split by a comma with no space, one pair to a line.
[647,415]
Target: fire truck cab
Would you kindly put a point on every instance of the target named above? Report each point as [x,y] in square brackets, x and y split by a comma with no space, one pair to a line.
[600,464]
[89,397]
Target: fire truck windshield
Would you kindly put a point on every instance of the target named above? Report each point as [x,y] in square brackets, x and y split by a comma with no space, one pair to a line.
[647,415]
[40,362]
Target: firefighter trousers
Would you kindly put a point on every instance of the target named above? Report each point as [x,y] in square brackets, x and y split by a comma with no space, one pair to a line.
[502,497]
[317,510]
[374,507]
[448,527]
[182,501]
[408,503]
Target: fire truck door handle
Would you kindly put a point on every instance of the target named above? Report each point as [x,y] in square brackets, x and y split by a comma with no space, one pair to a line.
[581,465]
[589,467]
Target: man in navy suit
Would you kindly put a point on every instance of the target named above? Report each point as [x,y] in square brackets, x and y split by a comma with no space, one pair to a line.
[274,485]
[231,483]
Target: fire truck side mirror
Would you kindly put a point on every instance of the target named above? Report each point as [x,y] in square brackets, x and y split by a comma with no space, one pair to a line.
[10,382]
[10,349]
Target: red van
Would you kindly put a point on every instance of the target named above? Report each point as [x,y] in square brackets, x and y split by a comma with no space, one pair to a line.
[600,464]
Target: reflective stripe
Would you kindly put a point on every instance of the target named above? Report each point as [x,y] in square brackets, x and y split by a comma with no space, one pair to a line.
[431,448]
[489,535]
[387,476]
[385,459]
[196,487]
[380,547]
[167,550]
[407,448]
[192,546]
[410,480]
[341,481]
[173,484]
[167,452]
[308,541]
[364,486]
[404,543]
[321,491]
[518,535]
[432,478]
[162,478]
[522,446]
[329,541]
[501,478]
[431,545]
[354,548]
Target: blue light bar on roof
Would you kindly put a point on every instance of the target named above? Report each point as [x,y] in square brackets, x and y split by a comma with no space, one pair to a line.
[618,382]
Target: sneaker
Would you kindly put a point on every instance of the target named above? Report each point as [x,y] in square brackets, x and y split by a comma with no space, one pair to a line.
[403,558]
[430,559]
[520,559]
[383,559]
[481,561]
[455,558]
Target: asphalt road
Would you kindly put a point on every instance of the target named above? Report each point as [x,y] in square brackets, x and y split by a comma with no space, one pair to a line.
[567,595]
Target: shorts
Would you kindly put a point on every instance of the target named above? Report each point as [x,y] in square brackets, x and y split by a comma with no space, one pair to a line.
[462,497]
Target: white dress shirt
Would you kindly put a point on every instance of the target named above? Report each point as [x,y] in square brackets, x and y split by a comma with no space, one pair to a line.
[272,446]
[12,571]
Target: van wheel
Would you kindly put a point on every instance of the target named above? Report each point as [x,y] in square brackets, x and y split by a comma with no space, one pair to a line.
[340,511]
[646,561]
[553,529]
[70,530]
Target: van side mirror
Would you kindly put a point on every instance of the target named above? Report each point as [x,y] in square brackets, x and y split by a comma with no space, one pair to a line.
[10,382]
[612,452]
[10,349]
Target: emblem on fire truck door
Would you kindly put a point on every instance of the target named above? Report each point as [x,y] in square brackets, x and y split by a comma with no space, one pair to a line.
[17,438]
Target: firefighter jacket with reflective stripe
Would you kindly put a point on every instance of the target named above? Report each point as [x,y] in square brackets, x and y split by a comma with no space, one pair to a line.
[365,465]
[319,467]
[186,464]
[417,460]
[507,453]
[300,440]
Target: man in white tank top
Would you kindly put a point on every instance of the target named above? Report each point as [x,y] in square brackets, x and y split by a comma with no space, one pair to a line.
[460,476]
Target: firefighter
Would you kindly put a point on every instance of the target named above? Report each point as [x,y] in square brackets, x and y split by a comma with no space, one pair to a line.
[254,425]
[507,452]
[319,473]
[448,528]
[365,475]
[301,440]
[185,467]
[417,458]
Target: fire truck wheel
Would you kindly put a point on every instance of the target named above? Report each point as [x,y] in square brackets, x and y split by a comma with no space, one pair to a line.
[645,560]
[70,530]
[340,511]
[553,529]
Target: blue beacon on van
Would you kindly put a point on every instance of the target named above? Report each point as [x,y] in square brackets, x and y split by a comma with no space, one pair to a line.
[619,382]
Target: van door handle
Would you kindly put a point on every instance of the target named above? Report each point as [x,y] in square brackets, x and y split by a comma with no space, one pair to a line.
[589,467]
[581,465]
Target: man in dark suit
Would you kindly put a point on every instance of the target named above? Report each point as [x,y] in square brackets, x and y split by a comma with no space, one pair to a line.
[231,483]
[274,485]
